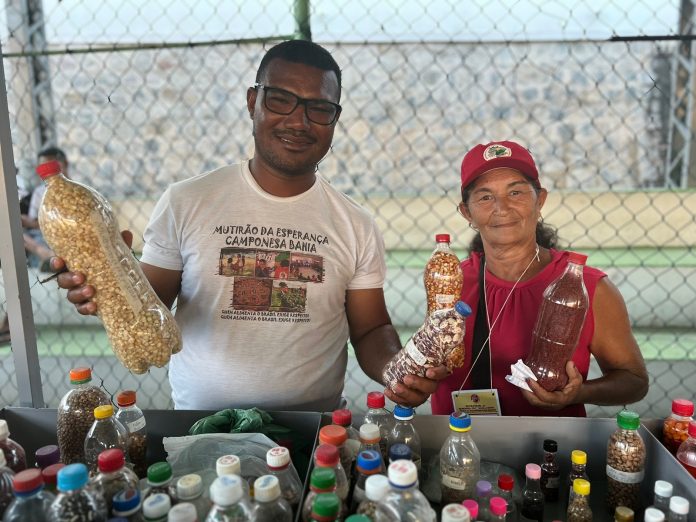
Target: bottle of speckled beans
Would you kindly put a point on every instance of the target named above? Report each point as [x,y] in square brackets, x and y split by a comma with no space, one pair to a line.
[625,463]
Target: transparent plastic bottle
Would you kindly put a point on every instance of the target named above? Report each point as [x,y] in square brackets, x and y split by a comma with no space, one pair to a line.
[678,509]
[280,465]
[106,433]
[231,465]
[369,463]
[270,506]
[133,419]
[377,414]
[376,488]
[484,492]
[399,451]
[46,456]
[75,501]
[128,504]
[653,515]
[326,456]
[370,439]
[80,226]
[623,514]
[455,513]
[31,501]
[675,428]
[113,475]
[189,489]
[532,498]
[159,480]
[506,485]
[460,461]
[550,474]
[430,346]
[183,512]
[321,480]
[663,492]
[404,501]
[686,454]
[156,507]
[497,508]
[344,418]
[6,476]
[579,508]
[15,456]
[229,503]
[625,463]
[558,325]
[325,508]
[76,414]
[337,436]
[403,432]
[578,469]
[50,476]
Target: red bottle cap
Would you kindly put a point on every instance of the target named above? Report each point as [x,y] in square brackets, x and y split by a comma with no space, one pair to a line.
[335,435]
[50,473]
[692,429]
[27,480]
[50,168]
[125,398]
[342,417]
[375,400]
[111,460]
[326,456]
[682,407]
[442,238]
[578,259]
[506,482]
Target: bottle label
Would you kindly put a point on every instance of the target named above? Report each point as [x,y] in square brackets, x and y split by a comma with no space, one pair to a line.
[445,299]
[453,482]
[625,477]
[136,425]
[414,354]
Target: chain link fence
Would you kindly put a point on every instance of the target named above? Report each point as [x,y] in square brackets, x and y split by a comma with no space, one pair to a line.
[140,97]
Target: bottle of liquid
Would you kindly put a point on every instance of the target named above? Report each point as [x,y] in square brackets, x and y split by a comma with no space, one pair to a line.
[377,414]
[623,514]
[133,419]
[678,509]
[473,508]
[558,325]
[128,505]
[46,456]
[113,475]
[404,501]
[31,501]
[270,506]
[321,480]
[370,439]
[532,497]
[369,463]
[653,515]
[189,489]
[376,488]
[625,463]
[50,476]
[455,513]
[280,465]
[75,501]
[344,418]
[159,480]
[460,461]
[6,476]
[550,474]
[156,507]
[183,512]
[15,457]
[404,432]
[686,454]
[76,414]
[578,465]
[484,492]
[506,485]
[497,510]
[229,503]
[399,452]
[79,225]
[326,456]
[675,428]
[663,492]
[430,346]
[106,433]
[325,508]
[579,508]
[337,436]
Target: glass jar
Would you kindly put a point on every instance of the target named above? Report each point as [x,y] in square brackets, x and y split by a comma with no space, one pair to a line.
[625,463]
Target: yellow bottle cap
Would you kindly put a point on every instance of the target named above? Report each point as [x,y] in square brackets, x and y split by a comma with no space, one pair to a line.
[581,487]
[103,412]
[578,457]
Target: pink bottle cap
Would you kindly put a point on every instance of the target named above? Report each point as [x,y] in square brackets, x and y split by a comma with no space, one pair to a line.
[498,506]
[533,471]
[472,507]
[682,407]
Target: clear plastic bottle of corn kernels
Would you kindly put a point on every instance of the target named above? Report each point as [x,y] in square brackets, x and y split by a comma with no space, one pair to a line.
[80,226]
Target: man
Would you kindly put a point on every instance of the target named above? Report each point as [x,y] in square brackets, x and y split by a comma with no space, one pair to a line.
[242,351]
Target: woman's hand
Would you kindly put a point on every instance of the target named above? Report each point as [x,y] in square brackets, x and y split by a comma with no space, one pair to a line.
[557,400]
[415,390]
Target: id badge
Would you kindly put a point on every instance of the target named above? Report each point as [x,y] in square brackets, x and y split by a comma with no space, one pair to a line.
[477,402]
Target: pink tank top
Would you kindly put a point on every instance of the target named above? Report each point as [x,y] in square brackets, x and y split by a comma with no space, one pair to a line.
[512,335]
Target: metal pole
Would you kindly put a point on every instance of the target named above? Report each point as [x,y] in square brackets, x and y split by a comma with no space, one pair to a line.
[301,11]
[15,275]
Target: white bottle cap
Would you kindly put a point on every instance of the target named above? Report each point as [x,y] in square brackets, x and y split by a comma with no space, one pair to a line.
[278,457]
[663,488]
[226,490]
[653,515]
[369,432]
[183,512]
[4,429]
[679,505]
[189,486]
[228,465]
[455,513]
[157,505]
[376,487]
[266,488]
[403,473]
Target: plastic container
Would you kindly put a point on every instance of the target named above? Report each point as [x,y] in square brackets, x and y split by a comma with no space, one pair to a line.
[370,439]
[106,433]
[31,501]
[675,428]
[455,513]
[79,225]
[497,510]
[404,501]
[558,325]
[653,515]
[399,451]
[579,508]
[75,414]
[550,474]
[369,463]
[15,456]
[327,456]
[229,502]
[625,463]
[270,506]
[337,436]
[50,476]
[280,466]
[403,432]
[156,507]
[189,489]
[6,477]
[183,512]
[321,480]
[46,456]
[506,485]
[231,465]
[376,488]
[377,414]
[578,469]
[76,502]
[678,509]
[159,480]
[686,454]
[113,475]
[663,492]
[532,498]
[344,418]
[430,346]
[623,514]
[133,419]
[128,504]
[325,508]
[484,492]
[460,461]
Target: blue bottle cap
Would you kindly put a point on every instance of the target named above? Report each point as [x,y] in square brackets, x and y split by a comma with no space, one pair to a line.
[126,499]
[460,421]
[463,308]
[369,460]
[73,476]
[403,412]
[400,452]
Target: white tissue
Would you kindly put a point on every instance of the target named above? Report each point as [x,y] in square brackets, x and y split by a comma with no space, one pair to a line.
[520,374]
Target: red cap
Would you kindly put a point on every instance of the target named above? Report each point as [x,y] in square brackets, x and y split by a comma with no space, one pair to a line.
[692,429]
[682,407]
[335,435]
[326,456]
[375,400]
[506,482]
[50,473]
[578,259]
[442,238]
[111,460]
[342,417]
[50,168]
[27,480]
[125,398]
[496,155]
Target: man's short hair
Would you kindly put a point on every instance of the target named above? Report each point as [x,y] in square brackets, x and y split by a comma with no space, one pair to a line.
[304,52]
[53,152]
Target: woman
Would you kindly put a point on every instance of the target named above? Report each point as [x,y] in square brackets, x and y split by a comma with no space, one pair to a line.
[513,254]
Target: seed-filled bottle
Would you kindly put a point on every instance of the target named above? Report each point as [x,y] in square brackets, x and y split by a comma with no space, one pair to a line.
[377,414]
[460,461]
[579,508]
[32,501]
[326,456]
[80,226]
[578,467]
[550,474]
[322,480]
[376,488]
[229,502]
[113,475]
[75,501]
[270,506]
[106,433]
[403,432]
[532,497]
[133,419]
[625,463]
[404,501]
[280,465]
[15,456]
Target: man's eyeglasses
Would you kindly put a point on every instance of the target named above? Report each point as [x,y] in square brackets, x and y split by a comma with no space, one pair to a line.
[280,101]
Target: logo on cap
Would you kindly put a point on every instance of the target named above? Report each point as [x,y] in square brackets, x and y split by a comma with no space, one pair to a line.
[496,151]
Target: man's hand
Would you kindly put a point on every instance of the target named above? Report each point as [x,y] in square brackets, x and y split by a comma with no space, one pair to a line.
[415,390]
[557,400]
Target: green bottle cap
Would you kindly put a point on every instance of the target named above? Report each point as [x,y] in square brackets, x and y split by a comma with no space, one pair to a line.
[159,473]
[628,420]
[326,505]
[323,478]
[358,518]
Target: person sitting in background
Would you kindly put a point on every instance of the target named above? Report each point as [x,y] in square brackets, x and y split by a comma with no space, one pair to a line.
[515,254]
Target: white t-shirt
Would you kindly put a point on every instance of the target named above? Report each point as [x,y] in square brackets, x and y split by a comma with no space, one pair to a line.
[262,301]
